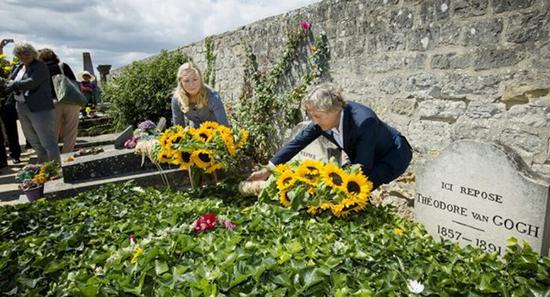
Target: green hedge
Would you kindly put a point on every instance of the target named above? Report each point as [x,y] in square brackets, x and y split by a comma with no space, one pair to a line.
[80,247]
[142,90]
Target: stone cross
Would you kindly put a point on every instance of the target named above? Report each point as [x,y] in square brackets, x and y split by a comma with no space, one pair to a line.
[481,194]
[103,73]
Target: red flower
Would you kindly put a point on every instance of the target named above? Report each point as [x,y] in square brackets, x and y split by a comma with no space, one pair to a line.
[207,221]
[304,24]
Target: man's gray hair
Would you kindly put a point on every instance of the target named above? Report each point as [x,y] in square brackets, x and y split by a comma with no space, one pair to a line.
[324,97]
[23,48]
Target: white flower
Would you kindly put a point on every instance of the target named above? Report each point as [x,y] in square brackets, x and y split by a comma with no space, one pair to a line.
[415,287]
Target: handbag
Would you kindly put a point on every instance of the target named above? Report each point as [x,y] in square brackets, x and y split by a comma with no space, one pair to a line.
[66,90]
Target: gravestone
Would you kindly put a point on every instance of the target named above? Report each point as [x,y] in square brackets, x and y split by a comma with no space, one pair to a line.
[123,136]
[481,194]
[320,149]
[161,125]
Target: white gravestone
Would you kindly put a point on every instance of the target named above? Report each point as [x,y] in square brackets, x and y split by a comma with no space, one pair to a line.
[481,194]
[320,149]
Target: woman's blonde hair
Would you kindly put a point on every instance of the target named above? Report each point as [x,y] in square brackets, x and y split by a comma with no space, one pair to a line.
[24,48]
[182,95]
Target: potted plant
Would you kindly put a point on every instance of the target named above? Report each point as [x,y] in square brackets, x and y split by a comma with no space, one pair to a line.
[32,178]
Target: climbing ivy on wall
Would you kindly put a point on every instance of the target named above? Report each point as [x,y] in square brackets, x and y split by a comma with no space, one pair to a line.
[265,108]
[210,73]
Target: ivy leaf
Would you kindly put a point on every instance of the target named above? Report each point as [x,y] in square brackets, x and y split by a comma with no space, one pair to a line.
[160,267]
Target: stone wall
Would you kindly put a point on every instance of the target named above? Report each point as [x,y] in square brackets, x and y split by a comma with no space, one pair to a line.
[438,70]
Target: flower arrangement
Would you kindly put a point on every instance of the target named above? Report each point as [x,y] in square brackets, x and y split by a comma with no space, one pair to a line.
[34,175]
[144,131]
[208,148]
[320,187]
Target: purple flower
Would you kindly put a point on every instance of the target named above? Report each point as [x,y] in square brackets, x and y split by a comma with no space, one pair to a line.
[304,24]
[146,125]
[132,239]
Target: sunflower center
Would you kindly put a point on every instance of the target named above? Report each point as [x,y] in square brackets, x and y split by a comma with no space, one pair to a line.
[353,187]
[186,157]
[336,178]
[287,180]
[310,176]
[312,169]
[205,157]
[177,139]
[203,136]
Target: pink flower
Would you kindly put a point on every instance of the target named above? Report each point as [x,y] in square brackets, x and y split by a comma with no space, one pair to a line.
[304,24]
[132,239]
[227,224]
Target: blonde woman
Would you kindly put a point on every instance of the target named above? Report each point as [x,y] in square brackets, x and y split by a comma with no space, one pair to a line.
[194,100]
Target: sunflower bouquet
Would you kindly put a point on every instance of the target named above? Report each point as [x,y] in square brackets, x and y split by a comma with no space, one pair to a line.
[319,187]
[208,148]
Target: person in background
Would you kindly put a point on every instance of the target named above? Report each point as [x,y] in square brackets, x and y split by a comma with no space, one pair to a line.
[66,115]
[194,100]
[383,153]
[8,114]
[30,86]
[89,89]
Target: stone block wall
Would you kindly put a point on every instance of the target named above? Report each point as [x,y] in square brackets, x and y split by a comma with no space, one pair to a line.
[438,70]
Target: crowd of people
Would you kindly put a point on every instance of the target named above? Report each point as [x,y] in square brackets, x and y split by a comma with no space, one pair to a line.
[382,151]
[28,94]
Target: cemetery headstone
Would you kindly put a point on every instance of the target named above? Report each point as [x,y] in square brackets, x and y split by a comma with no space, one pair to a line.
[481,194]
[123,136]
[320,149]
[161,124]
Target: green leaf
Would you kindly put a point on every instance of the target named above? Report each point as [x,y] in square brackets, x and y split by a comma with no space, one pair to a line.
[160,267]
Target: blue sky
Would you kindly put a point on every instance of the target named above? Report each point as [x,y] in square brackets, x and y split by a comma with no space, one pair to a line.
[117,32]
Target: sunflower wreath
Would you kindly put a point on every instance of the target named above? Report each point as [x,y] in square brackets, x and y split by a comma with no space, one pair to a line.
[320,187]
[210,147]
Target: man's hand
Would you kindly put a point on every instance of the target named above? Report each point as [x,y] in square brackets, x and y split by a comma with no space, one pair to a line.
[261,174]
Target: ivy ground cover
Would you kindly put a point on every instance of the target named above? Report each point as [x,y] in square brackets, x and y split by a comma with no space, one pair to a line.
[126,241]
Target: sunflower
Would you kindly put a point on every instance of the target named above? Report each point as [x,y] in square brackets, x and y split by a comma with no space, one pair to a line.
[313,166]
[243,138]
[214,167]
[283,198]
[177,137]
[313,210]
[334,176]
[308,172]
[279,169]
[357,185]
[229,142]
[185,160]
[202,158]
[336,209]
[203,134]
[164,156]
[285,181]
[210,125]
[164,138]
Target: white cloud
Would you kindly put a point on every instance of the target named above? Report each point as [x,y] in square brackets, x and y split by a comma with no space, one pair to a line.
[119,32]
